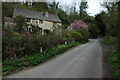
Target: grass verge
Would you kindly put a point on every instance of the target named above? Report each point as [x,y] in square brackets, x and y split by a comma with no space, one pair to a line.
[113,57]
[114,63]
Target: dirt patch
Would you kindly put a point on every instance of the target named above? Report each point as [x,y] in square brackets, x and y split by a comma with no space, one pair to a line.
[106,49]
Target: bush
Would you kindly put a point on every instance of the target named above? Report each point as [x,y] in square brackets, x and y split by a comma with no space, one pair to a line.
[85,34]
[72,35]
[94,31]
[19,45]
[5,43]
[113,60]
[76,35]
[20,22]
[108,40]
[46,31]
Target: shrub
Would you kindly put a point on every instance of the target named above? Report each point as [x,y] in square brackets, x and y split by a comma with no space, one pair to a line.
[18,45]
[113,60]
[76,35]
[6,36]
[72,35]
[66,34]
[46,31]
[20,22]
[94,31]
[85,34]
[108,40]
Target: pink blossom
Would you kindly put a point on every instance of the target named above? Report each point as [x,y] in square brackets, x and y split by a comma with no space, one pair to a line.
[78,24]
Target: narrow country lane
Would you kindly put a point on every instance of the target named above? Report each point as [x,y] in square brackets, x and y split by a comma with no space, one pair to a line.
[84,61]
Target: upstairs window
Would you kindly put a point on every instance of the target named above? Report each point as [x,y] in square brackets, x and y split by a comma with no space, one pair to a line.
[28,20]
[41,21]
[37,22]
[54,24]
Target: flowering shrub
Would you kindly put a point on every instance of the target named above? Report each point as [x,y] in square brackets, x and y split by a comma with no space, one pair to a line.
[77,25]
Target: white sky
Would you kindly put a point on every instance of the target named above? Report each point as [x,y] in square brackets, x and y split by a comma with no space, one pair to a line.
[94,6]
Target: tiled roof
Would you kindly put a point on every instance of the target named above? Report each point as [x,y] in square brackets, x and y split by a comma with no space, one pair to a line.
[8,19]
[35,15]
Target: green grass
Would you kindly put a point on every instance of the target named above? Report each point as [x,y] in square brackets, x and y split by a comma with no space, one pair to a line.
[11,65]
[114,63]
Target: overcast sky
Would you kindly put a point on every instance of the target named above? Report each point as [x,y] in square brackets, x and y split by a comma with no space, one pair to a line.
[94,6]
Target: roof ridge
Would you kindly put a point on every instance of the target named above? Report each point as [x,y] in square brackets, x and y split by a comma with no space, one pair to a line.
[31,10]
[35,14]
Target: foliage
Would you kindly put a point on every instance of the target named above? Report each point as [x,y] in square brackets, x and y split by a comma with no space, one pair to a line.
[10,65]
[76,36]
[100,23]
[94,31]
[112,25]
[113,60]
[7,9]
[85,34]
[111,21]
[108,40]
[40,6]
[73,16]
[46,31]
[93,28]
[64,19]
[18,45]
[53,7]
[83,6]
[88,19]
[20,23]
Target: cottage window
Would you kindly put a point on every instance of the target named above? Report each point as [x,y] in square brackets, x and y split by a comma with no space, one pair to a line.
[54,24]
[41,22]
[32,21]
[29,29]
[36,21]
[28,20]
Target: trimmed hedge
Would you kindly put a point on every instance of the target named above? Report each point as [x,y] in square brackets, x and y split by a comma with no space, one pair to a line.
[11,65]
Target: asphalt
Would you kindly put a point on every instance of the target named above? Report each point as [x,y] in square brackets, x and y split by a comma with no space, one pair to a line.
[84,61]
